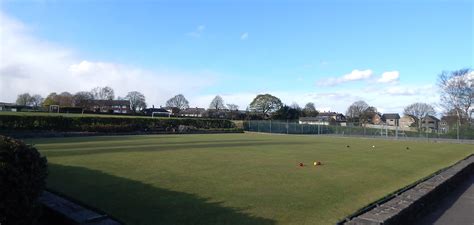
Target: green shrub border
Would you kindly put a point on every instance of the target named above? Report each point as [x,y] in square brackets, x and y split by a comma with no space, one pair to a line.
[107,124]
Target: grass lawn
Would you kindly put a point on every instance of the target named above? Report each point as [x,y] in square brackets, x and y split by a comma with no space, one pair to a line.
[236,178]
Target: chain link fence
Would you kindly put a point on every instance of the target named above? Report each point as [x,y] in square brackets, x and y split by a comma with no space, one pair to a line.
[391,132]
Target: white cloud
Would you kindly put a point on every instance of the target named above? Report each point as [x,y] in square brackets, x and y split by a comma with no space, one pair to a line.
[28,64]
[410,90]
[244,36]
[355,75]
[389,77]
[197,32]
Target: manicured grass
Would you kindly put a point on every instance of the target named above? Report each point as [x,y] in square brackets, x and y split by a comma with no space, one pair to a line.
[237,178]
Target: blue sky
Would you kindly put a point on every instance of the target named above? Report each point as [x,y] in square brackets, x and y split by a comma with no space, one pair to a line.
[328,52]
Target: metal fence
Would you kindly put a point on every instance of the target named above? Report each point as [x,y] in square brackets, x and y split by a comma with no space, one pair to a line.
[291,127]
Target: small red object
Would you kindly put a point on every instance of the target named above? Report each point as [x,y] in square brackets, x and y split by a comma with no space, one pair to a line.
[301,164]
[318,163]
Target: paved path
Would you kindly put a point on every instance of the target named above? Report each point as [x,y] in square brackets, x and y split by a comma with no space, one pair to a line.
[456,208]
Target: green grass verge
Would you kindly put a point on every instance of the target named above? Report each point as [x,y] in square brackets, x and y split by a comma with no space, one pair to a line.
[237,178]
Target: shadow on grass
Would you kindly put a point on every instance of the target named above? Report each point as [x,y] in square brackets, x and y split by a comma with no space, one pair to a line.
[137,203]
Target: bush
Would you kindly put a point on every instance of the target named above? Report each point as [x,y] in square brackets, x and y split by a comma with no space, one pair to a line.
[105,124]
[22,179]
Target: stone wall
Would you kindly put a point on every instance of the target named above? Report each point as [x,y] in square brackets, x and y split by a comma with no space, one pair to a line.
[409,205]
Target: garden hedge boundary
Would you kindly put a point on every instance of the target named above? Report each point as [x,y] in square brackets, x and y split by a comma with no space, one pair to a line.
[109,124]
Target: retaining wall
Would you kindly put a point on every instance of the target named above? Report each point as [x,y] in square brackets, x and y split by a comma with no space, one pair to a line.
[411,204]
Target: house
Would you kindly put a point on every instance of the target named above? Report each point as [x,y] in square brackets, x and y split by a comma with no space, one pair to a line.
[111,106]
[407,121]
[376,119]
[430,123]
[12,107]
[391,119]
[193,112]
[447,123]
[157,112]
[325,118]
[8,107]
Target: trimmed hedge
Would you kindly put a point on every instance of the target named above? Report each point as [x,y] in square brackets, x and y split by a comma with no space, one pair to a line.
[105,124]
[23,174]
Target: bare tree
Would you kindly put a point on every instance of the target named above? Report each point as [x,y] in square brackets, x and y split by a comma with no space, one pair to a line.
[36,101]
[137,100]
[103,93]
[83,99]
[457,92]
[233,107]
[24,99]
[355,111]
[217,103]
[368,114]
[419,111]
[178,101]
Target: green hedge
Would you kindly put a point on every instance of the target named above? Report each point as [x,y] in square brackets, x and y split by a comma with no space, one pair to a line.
[105,124]
[23,174]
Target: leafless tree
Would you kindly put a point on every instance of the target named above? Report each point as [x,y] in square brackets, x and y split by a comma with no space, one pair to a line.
[36,101]
[457,92]
[233,107]
[137,100]
[24,99]
[368,114]
[178,101]
[103,93]
[355,111]
[83,99]
[217,103]
[419,111]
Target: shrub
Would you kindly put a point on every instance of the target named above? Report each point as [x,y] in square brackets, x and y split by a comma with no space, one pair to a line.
[105,124]
[22,179]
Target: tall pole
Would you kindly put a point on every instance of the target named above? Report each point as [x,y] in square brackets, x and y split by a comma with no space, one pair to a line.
[396,133]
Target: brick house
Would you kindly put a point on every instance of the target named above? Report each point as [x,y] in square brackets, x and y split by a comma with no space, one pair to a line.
[430,123]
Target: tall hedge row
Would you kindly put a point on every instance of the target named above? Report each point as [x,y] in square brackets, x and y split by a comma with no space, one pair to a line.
[105,124]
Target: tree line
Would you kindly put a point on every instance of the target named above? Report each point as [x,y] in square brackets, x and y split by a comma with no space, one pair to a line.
[456,91]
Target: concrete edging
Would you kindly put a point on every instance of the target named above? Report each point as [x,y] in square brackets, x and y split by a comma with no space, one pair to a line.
[410,204]
[63,211]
